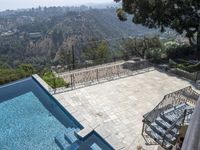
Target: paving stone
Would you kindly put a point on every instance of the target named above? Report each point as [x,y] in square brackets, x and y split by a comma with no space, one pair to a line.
[118,106]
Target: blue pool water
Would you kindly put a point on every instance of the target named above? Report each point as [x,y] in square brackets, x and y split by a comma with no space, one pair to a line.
[27,124]
[31,119]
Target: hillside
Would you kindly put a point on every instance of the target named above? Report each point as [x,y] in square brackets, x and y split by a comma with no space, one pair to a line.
[38,36]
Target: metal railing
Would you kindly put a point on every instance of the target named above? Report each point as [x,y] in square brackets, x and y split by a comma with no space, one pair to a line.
[99,74]
[177,123]
[170,100]
[186,94]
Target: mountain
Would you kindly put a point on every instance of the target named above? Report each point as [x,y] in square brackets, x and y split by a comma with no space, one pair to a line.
[39,35]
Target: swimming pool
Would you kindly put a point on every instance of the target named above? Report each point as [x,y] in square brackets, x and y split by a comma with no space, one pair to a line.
[31,119]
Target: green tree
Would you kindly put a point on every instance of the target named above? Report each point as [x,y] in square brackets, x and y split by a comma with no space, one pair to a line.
[180,15]
[57,37]
[102,51]
[140,46]
[97,51]
[65,57]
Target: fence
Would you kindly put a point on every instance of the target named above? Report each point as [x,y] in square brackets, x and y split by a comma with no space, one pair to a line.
[87,77]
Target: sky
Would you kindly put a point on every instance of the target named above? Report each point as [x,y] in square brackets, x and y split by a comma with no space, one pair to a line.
[16,4]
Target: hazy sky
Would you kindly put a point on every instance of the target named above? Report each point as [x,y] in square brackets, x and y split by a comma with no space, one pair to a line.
[15,4]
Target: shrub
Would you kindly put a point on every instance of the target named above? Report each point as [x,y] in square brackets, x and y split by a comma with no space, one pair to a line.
[185,65]
[182,51]
[8,74]
[53,81]
[193,68]
[157,55]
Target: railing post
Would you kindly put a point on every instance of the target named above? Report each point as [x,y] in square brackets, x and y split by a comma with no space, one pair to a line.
[54,82]
[118,70]
[97,74]
[74,84]
[184,115]
[71,77]
[196,76]
[143,129]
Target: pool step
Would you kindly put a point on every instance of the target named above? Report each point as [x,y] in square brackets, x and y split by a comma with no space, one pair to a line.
[61,142]
[74,146]
[70,136]
[94,146]
[68,141]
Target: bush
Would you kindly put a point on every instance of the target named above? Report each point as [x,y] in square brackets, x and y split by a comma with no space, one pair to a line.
[8,74]
[53,81]
[157,55]
[185,65]
[171,45]
[181,52]
[193,68]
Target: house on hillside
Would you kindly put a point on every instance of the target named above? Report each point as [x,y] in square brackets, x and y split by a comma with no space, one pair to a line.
[35,35]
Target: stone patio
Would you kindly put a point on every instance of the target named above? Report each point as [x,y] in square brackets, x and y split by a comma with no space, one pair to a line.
[115,109]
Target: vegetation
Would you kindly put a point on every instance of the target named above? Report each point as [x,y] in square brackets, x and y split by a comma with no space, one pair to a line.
[140,46]
[57,37]
[181,15]
[8,74]
[48,37]
[53,81]
[193,68]
[190,66]
[44,37]
[98,52]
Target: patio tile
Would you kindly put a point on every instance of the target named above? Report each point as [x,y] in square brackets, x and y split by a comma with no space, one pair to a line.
[116,108]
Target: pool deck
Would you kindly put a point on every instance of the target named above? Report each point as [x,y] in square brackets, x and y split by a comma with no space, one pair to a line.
[115,109]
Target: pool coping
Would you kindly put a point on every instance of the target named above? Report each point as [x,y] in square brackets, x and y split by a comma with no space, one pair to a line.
[40,83]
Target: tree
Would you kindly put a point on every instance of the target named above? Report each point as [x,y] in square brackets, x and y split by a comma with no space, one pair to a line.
[57,37]
[180,15]
[102,51]
[65,57]
[140,46]
[97,51]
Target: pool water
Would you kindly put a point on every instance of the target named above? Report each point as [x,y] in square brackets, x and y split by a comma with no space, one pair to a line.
[32,119]
[27,124]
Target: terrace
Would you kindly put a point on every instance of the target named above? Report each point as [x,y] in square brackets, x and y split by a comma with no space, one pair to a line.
[115,109]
